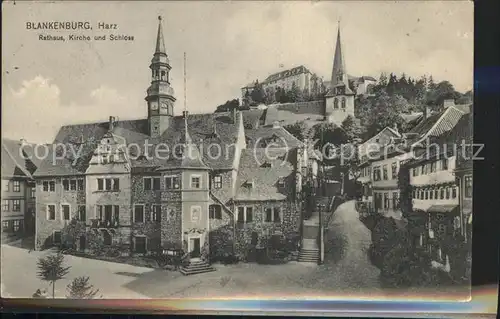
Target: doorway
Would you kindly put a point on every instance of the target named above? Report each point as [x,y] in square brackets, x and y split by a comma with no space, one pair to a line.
[83,243]
[140,244]
[194,247]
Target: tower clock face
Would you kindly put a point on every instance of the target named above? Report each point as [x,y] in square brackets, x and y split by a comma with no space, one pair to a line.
[154,106]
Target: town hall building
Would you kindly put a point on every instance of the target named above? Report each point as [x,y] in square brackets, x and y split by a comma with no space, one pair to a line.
[117,200]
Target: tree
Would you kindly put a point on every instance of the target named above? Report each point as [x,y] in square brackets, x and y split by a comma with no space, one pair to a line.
[299,129]
[351,128]
[80,288]
[51,269]
[258,94]
[228,106]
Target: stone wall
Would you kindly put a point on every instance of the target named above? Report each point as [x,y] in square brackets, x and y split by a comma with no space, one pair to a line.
[288,228]
[167,232]
[45,228]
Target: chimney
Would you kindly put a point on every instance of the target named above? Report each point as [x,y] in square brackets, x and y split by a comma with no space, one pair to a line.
[427,112]
[396,127]
[448,103]
[276,124]
[112,121]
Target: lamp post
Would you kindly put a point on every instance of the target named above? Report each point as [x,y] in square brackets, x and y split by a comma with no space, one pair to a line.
[321,240]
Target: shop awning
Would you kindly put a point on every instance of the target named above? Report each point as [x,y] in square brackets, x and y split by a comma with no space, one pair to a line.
[442,208]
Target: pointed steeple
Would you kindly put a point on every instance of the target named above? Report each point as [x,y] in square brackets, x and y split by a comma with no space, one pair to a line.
[160,43]
[339,72]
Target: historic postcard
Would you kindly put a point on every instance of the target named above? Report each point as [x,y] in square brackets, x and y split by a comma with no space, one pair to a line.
[236,149]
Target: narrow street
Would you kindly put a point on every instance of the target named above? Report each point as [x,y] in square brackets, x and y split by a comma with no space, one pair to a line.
[347,267]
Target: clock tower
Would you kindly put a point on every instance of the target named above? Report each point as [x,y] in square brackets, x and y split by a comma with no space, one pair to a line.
[160,95]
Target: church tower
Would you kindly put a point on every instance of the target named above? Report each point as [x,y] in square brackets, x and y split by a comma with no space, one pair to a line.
[160,95]
[340,98]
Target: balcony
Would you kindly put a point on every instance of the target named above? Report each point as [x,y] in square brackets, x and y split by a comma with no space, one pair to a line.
[106,223]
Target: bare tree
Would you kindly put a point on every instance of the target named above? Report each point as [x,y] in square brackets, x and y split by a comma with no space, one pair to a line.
[80,288]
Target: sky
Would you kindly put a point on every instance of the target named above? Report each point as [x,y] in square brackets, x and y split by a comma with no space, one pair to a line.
[48,84]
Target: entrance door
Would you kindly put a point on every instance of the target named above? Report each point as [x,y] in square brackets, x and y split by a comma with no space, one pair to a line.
[195,247]
[83,243]
[140,244]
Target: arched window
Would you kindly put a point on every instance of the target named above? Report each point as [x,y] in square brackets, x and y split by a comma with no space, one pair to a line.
[343,102]
[336,103]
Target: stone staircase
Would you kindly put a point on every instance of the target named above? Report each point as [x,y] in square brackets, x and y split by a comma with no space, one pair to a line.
[309,252]
[196,267]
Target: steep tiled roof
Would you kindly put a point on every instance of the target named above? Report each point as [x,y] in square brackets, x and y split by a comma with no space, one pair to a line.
[265,178]
[278,135]
[204,129]
[462,131]
[286,73]
[439,123]
[17,161]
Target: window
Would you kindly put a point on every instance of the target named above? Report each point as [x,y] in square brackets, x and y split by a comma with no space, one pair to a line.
[217,182]
[16,186]
[51,212]
[422,170]
[385,172]
[468,186]
[116,184]
[155,213]
[431,194]
[49,186]
[139,214]
[414,172]
[414,194]
[394,170]
[108,183]
[151,183]
[172,182]
[376,173]
[82,213]
[336,103]
[65,211]
[442,193]
[433,167]
[100,184]
[5,225]
[215,212]
[444,164]
[273,215]
[395,200]
[33,192]
[16,205]
[5,205]
[343,102]
[80,184]
[447,192]
[426,194]
[454,192]
[195,181]
[245,214]
[436,194]
[386,200]
[195,213]
[72,184]
[65,184]
[5,185]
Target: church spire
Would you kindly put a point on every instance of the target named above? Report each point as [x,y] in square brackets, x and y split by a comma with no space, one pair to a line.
[160,43]
[339,74]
